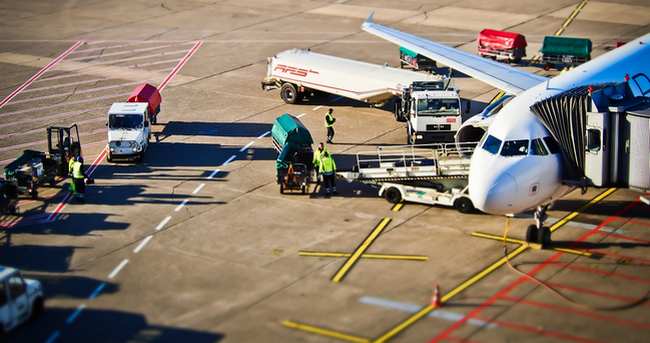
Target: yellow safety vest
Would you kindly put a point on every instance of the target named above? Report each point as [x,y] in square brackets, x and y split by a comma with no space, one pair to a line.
[76,171]
[70,164]
[329,120]
[327,165]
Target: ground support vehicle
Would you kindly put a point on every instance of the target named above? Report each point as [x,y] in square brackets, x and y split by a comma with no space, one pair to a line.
[412,60]
[302,73]
[503,45]
[433,174]
[149,94]
[558,52]
[63,142]
[432,112]
[20,299]
[292,141]
[129,131]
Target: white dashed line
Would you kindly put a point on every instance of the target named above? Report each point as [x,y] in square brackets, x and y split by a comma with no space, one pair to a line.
[263,135]
[317,108]
[163,223]
[75,314]
[198,188]
[229,160]
[180,206]
[245,147]
[142,244]
[118,268]
[301,115]
[214,173]
[97,290]
[53,337]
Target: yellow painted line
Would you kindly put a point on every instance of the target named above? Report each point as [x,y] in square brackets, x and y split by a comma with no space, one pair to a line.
[324,332]
[397,207]
[571,17]
[369,256]
[349,263]
[482,274]
[519,241]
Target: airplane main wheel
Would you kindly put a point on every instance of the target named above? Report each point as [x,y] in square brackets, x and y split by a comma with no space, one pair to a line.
[288,93]
[393,195]
[544,236]
[532,234]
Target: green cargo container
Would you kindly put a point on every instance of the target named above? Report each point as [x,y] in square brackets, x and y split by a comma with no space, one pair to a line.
[292,140]
[407,52]
[565,50]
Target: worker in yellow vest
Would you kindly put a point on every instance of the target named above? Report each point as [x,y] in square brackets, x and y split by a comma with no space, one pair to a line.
[329,124]
[328,169]
[71,160]
[78,177]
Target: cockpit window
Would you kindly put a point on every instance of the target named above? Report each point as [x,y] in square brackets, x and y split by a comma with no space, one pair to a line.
[492,144]
[552,145]
[515,148]
[537,147]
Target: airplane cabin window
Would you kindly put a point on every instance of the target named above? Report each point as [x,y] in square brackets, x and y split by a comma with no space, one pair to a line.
[515,148]
[537,147]
[552,145]
[492,145]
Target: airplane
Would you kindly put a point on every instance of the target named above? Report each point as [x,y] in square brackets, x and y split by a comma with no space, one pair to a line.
[506,176]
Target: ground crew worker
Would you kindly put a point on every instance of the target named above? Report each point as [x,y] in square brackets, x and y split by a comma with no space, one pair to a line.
[316,161]
[78,177]
[71,161]
[328,169]
[329,124]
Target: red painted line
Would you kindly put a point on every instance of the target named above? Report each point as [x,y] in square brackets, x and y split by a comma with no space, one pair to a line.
[40,73]
[637,221]
[620,275]
[601,294]
[616,235]
[180,65]
[505,290]
[539,331]
[589,314]
[619,257]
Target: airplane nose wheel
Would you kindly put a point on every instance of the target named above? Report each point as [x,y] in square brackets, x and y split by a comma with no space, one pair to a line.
[538,233]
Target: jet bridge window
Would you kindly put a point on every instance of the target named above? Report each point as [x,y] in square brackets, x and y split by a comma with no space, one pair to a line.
[515,148]
[552,145]
[537,147]
[492,145]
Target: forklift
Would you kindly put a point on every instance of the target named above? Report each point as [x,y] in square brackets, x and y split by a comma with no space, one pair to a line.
[63,143]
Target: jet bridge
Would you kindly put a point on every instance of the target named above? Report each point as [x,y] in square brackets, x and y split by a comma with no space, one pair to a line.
[604,134]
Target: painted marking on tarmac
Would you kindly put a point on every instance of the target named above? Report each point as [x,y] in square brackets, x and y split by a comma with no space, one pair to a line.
[40,73]
[198,188]
[352,260]
[324,332]
[118,268]
[232,158]
[301,115]
[180,206]
[142,244]
[102,55]
[522,242]
[67,94]
[53,337]
[75,314]
[42,109]
[397,207]
[97,290]
[263,135]
[61,85]
[163,223]
[587,226]
[369,256]
[413,308]
[317,108]
[180,65]
[482,274]
[214,173]
[245,147]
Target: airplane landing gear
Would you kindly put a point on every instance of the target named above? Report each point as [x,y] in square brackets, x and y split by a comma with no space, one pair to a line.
[538,233]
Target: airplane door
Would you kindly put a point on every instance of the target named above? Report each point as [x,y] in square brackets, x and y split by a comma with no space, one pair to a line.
[597,148]
[18,298]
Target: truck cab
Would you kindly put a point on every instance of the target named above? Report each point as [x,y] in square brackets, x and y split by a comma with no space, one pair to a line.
[20,299]
[129,131]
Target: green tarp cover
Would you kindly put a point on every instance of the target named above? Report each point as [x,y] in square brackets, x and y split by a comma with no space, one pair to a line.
[408,52]
[288,129]
[555,45]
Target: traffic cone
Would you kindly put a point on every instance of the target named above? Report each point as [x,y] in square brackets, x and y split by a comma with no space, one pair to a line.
[435,299]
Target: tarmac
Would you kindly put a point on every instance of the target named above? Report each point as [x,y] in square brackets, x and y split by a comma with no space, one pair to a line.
[197,244]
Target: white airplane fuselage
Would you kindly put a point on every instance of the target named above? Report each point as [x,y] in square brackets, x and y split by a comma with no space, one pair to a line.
[511,184]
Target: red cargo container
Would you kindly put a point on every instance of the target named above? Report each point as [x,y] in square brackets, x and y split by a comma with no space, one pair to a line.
[149,94]
[502,45]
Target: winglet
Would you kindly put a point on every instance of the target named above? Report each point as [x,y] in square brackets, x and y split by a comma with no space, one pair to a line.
[369,20]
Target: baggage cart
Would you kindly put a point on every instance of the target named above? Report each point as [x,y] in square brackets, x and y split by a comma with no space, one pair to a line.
[558,52]
[292,141]
[503,45]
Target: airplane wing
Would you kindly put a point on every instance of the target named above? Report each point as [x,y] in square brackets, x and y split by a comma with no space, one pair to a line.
[499,75]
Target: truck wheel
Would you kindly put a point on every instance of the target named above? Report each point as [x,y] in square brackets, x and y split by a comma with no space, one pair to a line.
[531,234]
[463,205]
[37,308]
[288,93]
[393,195]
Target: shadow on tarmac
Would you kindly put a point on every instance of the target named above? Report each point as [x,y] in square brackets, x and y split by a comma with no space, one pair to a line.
[214,129]
[603,208]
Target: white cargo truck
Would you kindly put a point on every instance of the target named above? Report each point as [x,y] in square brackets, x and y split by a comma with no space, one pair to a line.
[427,102]
[129,131]
[20,299]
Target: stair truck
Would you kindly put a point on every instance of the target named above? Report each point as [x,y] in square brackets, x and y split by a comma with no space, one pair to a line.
[428,103]
[558,52]
[501,45]
[292,141]
[432,174]
[412,60]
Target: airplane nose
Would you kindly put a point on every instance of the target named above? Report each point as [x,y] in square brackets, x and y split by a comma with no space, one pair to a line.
[498,199]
